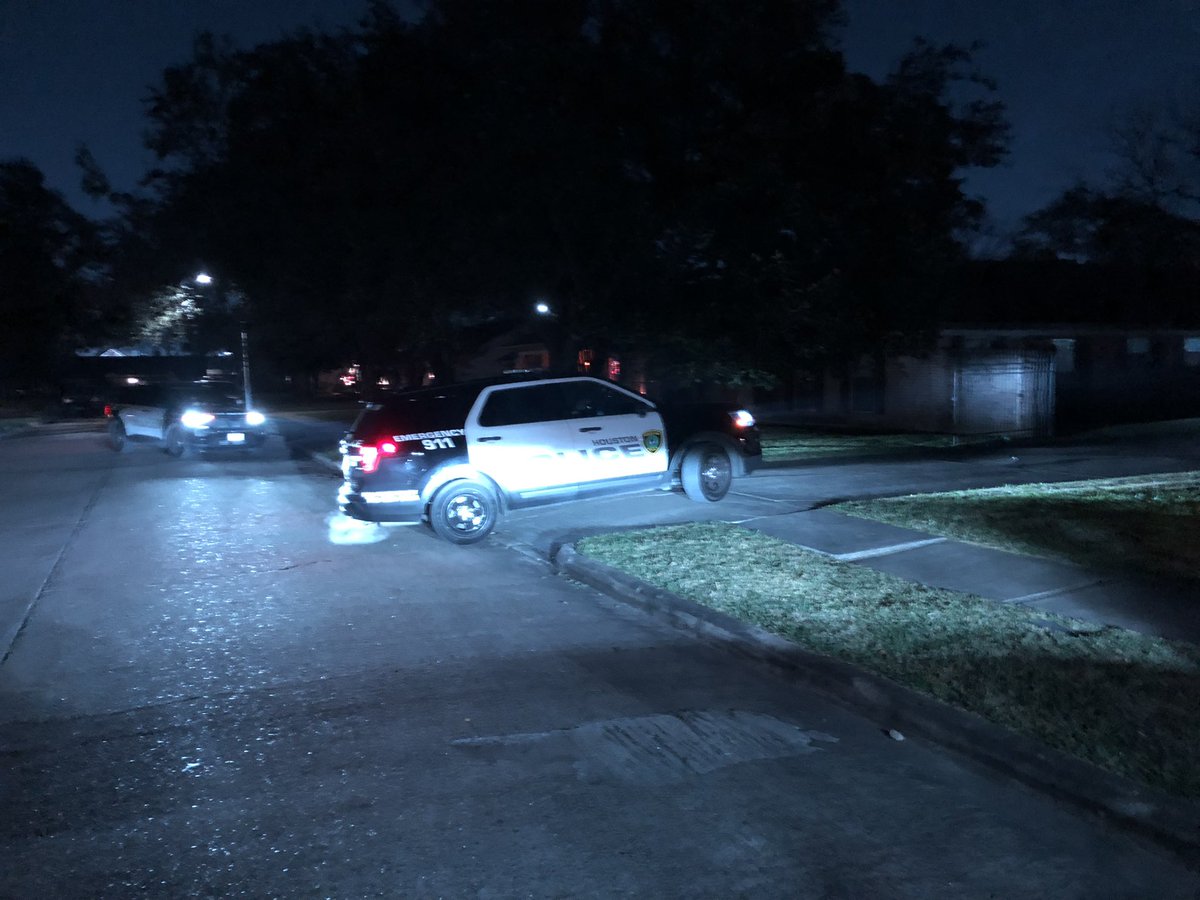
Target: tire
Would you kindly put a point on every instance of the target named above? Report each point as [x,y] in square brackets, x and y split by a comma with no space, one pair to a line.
[117,439]
[464,512]
[706,473]
[175,442]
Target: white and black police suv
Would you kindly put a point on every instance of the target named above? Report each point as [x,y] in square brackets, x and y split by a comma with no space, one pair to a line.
[458,456]
[196,415]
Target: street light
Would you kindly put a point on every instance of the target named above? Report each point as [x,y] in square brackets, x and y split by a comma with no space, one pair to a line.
[206,279]
[542,308]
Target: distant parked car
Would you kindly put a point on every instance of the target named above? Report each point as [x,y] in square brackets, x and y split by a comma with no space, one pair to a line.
[458,456]
[178,417]
[82,398]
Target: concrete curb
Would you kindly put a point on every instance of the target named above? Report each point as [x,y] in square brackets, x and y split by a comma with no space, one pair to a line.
[68,426]
[1170,822]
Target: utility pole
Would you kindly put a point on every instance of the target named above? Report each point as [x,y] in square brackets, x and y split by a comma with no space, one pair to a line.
[246,366]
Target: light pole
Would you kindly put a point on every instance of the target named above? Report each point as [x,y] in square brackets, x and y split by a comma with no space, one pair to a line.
[206,279]
[246,367]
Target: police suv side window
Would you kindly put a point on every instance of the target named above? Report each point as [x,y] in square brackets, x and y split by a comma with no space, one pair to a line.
[589,398]
[523,405]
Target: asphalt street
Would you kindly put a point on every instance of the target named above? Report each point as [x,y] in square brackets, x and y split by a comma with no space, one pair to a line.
[212,685]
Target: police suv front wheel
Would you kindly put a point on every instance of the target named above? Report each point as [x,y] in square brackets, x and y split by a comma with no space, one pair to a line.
[175,442]
[464,512]
[706,473]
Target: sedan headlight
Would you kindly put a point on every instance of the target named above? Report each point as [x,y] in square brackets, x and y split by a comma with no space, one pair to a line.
[194,418]
[254,417]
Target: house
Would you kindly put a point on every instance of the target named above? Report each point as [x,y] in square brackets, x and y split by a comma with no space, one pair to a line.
[1023,381]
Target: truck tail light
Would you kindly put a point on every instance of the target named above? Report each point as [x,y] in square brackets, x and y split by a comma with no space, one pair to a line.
[373,453]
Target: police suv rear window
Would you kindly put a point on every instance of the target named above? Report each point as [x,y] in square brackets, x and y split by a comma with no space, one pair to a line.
[588,398]
[524,405]
[412,413]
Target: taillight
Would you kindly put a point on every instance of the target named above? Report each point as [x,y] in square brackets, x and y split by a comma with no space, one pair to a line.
[742,419]
[108,410]
[372,454]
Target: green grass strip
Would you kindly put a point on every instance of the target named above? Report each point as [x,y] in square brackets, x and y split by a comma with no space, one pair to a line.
[1122,700]
[1148,523]
[9,425]
[782,443]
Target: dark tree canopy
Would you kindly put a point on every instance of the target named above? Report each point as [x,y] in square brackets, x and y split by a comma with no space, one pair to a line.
[1138,234]
[703,182]
[1128,261]
[46,249]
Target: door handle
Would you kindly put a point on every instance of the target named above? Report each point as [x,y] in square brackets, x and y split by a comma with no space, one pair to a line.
[593,428]
[490,437]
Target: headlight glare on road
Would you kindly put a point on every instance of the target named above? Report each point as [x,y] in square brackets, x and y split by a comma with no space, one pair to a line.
[194,418]
[254,417]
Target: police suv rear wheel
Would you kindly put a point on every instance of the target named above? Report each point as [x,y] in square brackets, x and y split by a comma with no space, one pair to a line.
[706,473]
[464,512]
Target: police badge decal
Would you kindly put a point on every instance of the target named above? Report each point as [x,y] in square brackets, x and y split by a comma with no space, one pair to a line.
[652,440]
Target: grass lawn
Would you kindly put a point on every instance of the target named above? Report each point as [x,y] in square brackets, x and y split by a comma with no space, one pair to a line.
[782,443]
[1122,700]
[16,423]
[1148,523]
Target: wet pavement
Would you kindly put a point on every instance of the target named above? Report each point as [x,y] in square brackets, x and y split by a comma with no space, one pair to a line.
[213,686]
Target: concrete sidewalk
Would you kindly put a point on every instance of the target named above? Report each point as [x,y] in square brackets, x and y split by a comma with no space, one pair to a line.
[1162,607]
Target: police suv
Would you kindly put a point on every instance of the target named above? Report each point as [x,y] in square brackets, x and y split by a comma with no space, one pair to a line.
[459,456]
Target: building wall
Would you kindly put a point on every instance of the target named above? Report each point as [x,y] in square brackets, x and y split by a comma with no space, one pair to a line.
[1018,381]
[1002,392]
[918,393]
[1107,375]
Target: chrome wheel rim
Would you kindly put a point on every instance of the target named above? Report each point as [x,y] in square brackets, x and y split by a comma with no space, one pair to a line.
[715,475]
[466,513]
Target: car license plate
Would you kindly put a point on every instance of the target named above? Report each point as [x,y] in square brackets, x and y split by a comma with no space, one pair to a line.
[235,437]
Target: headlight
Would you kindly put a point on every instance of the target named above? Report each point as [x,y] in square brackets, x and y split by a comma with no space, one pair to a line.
[742,418]
[254,417]
[193,418]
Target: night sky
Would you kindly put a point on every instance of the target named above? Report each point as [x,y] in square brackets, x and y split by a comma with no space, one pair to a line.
[77,70]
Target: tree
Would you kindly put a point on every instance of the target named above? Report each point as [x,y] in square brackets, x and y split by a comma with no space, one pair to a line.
[46,249]
[808,214]
[701,178]
[1158,148]
[1146,211]
[1150,256]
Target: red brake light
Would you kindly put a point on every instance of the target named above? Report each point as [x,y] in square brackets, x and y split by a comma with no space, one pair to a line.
[372,454]
[108,410]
